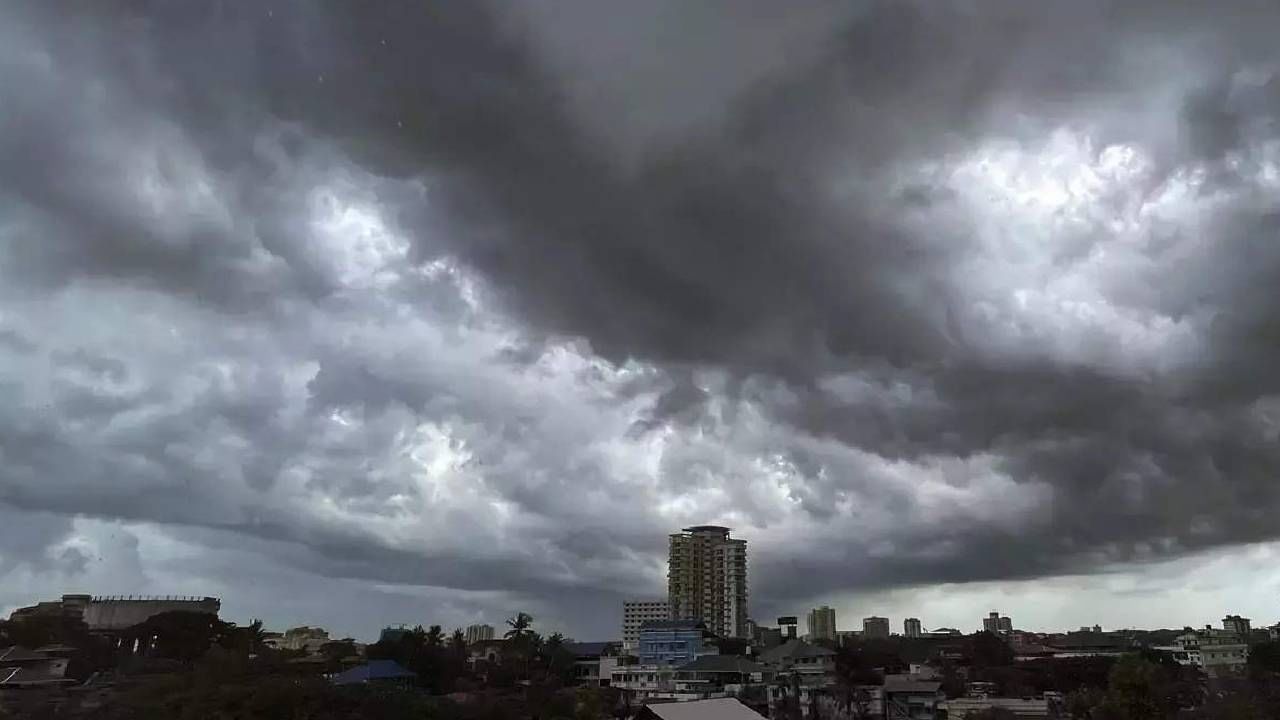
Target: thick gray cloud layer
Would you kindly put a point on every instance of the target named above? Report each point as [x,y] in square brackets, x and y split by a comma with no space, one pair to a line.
[478,303]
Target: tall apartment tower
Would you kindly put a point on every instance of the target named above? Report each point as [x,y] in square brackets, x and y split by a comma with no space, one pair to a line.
[911,628]
[707,579]
[822,623]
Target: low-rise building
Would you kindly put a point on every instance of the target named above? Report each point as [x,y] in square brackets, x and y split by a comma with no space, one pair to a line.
[593,662]
[304,638]
[672,642]
[1219,653]
[907,698]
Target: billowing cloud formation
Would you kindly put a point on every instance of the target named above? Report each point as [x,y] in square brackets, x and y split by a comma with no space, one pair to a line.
[468,308]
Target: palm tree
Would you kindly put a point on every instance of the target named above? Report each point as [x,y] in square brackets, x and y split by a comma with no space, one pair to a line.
[434,637]
[458,642]
[520,625]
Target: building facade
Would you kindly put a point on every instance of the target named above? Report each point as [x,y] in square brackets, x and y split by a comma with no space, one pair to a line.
[875,627]
[478,632]
[637,612]
[1241,626]
[707,579]
[911,628]
[118,612]
[997,624]
[822,623]
[670,642]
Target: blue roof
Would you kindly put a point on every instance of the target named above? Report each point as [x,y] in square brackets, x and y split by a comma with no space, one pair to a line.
[373,670]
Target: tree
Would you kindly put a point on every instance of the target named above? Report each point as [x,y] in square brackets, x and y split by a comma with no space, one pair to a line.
[435,637]
[520,625]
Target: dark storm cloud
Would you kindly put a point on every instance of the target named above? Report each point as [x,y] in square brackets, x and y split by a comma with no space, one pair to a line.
[780,244]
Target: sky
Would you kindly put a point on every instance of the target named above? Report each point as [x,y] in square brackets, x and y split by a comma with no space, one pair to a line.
[362,314]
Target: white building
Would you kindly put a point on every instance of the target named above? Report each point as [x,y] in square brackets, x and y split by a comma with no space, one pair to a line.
[1217,652]
[637,612]
[480,631]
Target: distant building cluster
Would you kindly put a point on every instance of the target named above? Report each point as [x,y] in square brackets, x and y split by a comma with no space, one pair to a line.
[699,644]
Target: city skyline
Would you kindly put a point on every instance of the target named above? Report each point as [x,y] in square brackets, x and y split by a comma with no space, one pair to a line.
[451,311]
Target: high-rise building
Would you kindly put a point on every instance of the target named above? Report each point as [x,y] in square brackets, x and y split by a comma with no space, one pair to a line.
[480,631]
[911,628]
[996,623]
[822,623]
[875,627]
[707,579]
[637,612]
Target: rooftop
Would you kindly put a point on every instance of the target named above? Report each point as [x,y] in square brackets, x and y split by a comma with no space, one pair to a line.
[718,709]
[793,649]
[907,684]
[722,663]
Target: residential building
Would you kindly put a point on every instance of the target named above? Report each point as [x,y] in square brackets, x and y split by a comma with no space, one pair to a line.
[875,627]
[997,624]
[798,656]
[307,639]
[707,579]
[488,651]
[720,676]
[671,642]
[637,612]
[907,698]
[594,662]
[1219,653]
[911,628]
[478,633]
[822,623]
[1238,625]
[787,624]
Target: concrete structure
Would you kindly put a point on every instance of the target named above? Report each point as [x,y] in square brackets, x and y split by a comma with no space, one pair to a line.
[996,623]
[112,613]
[304,638]
[1021,708]
[1220,653]
[822,623]
[672,642]
[787,625]
[23,668]
[906,698]
[1241,626]
[707,579]
[911,628]
[875,627]
[637,612]
[478,632]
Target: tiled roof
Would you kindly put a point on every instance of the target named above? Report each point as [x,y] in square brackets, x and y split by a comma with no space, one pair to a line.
[793,649]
